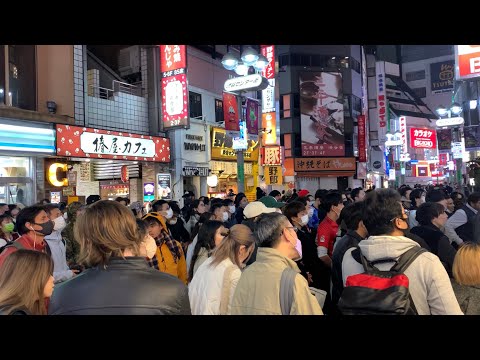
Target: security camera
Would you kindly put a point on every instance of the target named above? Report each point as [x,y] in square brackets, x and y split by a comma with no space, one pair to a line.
[52,107]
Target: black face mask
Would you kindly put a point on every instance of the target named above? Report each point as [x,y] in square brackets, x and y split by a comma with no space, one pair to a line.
[47,227]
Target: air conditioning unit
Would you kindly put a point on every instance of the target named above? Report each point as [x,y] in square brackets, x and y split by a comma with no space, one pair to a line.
[129,60]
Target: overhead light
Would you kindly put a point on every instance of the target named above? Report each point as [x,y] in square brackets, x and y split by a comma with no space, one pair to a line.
[212,180]
[261,63]
[249,56]
[473,104]
[241,69]
[441,111]
[456,108]
[110,161]
[87,160]
[333,58]
[346,57]
[135,162]
[229,61]
[1,91]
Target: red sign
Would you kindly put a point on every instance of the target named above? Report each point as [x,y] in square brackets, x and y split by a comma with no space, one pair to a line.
[362,148]
[230,112]
[124,176]
[423,138]
[75,141]
[272,155]
[442,159]
[468,61]
[269,52]
[173,61]
[173,57]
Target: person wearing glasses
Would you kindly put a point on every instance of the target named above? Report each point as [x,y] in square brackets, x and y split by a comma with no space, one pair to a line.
[258,290]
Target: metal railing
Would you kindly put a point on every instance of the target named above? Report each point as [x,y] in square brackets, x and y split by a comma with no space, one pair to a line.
[117,87]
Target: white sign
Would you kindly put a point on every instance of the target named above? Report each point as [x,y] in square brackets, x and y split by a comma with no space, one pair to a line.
[381,101]
[245,82]
[393,142]
[403,130]
[458,149]
[450,121]
[94,143]
[391,174]
[268,97]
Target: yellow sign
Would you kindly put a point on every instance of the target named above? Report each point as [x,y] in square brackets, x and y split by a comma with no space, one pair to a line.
[222,147]
[273,175]
[52,174]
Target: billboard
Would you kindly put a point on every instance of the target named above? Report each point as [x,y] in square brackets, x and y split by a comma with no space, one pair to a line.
[423,138]
[472,137]
[467,61]
[441,76]
[362,147]
[230,112]
[444,140]
[322,118]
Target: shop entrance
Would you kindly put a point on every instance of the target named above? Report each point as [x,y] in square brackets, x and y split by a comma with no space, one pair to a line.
[16,186]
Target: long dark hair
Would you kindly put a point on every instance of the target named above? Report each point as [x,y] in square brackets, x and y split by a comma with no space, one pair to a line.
[206,239]
[203,219]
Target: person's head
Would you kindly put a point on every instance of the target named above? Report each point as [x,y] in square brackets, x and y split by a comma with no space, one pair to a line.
[149,247]
[474,200]
[466,266]
[256,208]
[210,235]
[54,213]
[303,193]
[121,200]
[405,191]
[297,213]
[163,208]
[384,213]
[230,195]
[352,215]
[34,221]
[357,194]
[450,204]
[198,206]
[241,200]
[319,194]
[6,225]
[431,213]
[13,210]
[237,246]
[276,194]
[221,213]
[458,199]
[417,197]
[437,196]
[26,280]
[94,198]
[230,205]
[101,235]
[332,203]
[137,209]
[3,208]
[155,224]
[206,202]
[206,216]
[275,231]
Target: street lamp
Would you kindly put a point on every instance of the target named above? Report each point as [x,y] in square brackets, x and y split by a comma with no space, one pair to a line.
[249,58]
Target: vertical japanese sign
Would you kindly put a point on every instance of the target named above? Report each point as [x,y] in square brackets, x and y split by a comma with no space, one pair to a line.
[173,62]
[269,115]
[444,140]
[272,155]
[362,150]
[321,114]
[403,130]
[252,116]
[381,101]
[273,175]
[230,112]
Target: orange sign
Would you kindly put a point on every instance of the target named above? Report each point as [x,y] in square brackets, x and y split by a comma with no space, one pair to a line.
[269,125]
[325,164]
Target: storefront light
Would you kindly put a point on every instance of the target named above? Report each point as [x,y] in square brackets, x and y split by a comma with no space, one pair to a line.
[52,174]
[212,180]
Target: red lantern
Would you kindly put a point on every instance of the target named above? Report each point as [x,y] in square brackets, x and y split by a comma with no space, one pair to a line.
[124,173]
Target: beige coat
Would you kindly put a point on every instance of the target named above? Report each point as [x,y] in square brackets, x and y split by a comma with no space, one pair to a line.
[258,290]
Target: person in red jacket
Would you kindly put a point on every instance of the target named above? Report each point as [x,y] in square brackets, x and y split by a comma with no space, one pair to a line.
[33,224]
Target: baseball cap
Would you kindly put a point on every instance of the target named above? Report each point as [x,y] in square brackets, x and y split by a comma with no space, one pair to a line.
[256,208]
[270,202]
[303,193]
[188,194]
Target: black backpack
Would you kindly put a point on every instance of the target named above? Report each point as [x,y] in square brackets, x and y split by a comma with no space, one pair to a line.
[376,292]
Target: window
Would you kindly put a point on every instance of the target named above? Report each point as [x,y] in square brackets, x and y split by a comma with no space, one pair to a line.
[420,92]
[195,104]
[415,75]
[218,110]
[285,106]
[284,60]
[355,65]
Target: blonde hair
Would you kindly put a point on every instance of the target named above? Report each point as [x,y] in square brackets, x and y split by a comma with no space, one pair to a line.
[106,229]
[229,247]
[466,266]
[23,278]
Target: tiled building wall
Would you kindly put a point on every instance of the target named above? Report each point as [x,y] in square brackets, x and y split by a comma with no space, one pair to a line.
[78,84]
[143,66]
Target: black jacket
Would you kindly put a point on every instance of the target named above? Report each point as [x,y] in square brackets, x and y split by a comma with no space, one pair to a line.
[178,231]
[438,243]
[125,287]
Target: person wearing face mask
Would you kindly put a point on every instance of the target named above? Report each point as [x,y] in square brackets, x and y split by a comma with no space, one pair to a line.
[257,291]
[386,222]
[220,211]
[177,226]
[7,231]
[229,204]
[197,209]
[240,202]
[417,198]
[33,225]
[56,243]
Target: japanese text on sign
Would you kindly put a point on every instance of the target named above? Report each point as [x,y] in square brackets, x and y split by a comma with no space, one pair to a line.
[272,155]
[273,175]
[423,138]
[94,143]
[325,164]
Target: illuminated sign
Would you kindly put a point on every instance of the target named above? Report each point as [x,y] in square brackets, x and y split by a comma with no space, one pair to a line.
[222,147]
[273,175]
[381,100]
[272,155]
[467,58]
[240,142]
[52,174]
[450,121]
[423,138]
[248,82]
[269,123]
[27,139]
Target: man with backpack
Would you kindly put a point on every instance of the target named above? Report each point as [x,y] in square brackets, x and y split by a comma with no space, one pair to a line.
[421,287]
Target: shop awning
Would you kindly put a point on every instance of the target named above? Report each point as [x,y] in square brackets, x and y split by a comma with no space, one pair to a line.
[404,102]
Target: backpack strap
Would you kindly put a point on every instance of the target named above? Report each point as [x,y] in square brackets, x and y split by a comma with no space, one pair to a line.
[225,297]
[407,258]
[286,290]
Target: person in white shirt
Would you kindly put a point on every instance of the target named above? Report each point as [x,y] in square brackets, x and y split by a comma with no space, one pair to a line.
[417,198]
[460,226]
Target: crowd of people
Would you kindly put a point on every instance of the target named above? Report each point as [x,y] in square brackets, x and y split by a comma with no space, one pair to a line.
[285,253]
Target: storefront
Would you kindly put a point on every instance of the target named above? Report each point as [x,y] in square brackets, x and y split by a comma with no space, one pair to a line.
[224,165]
[110,163]
[23,145]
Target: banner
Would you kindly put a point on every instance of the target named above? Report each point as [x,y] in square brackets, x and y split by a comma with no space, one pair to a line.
[441,76]
[444,140]
[230,112]
[273,175]
[252,116]
[322,118]
[423,138]
[325,164]
[381,101]
[472,137]
[362,149]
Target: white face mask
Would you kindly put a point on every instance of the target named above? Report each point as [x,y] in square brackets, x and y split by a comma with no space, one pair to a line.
[310,212]
[65,216]
[304,219]
[151,246]
[169,214]
[59,223]
[225,216]
[231,208]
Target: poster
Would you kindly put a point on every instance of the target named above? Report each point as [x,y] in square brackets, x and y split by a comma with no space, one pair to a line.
[252,116]
[444,137]
[230,112]
[148,191]
[322,118]
[164,186]
[472,137]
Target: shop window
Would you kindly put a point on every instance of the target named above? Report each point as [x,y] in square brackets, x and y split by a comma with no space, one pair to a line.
[420,92]
[219,110]
[195,103]
[415,75]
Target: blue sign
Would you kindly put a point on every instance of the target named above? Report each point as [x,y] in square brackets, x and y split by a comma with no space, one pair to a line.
[442,75]
[241,142]
[27,139]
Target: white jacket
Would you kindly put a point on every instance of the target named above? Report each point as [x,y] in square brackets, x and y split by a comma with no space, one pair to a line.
[429,283]
[205,290]
[61,271]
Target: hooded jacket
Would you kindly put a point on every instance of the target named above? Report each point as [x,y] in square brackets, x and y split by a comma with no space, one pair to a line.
[258,290]
[61,271]
[429,285]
